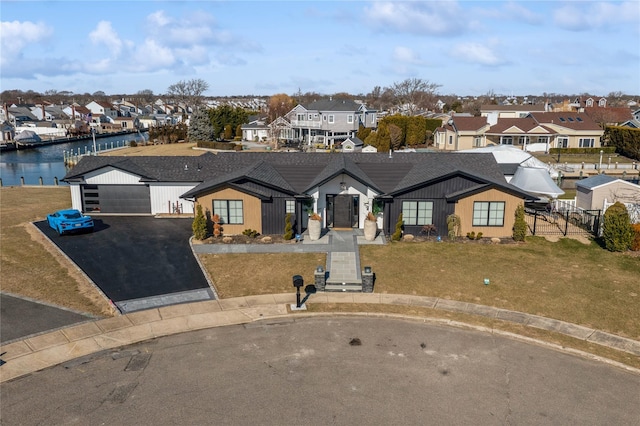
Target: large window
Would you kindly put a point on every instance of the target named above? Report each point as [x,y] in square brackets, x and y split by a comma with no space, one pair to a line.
[586,142]
[488,213]
[417,212]
[230,211]
[506,140]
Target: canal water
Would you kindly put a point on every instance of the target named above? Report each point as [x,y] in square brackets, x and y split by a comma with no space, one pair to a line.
[47,162]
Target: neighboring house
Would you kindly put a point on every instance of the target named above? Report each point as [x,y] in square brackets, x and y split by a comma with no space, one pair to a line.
[20,115]
[7,132]
[572,129]
[147,121]
[369,148]
[495,112]
[256,190]
[520,132]
[102,108]
[255,130]
[127,123]
[329,121]
[461,133]
[352,144]
[592,192]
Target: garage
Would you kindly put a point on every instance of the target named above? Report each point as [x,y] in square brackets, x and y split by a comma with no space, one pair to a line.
[130,199]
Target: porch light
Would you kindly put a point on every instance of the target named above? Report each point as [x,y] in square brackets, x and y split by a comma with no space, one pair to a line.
[367,269]
[319,268]
[343,186]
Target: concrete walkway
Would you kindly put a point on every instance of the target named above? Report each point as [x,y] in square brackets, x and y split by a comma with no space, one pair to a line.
[45,350]
[343,257]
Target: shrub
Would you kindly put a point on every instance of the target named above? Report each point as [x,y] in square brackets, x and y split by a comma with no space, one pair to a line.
[250,233]
[471,235]
[199,225]
[479,236]
[397,235]
[520,225]
[453,226]
[635,244]
[288,227]
[428,229]
[315,216]
[133,144]
[371,217]
[217,227]
[616,228]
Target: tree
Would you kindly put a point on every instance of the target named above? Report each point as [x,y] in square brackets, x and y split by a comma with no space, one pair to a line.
[397,235]
[395,136]
[414,93]
[188,91]
[226,115]
[200,127]
[199,225]
[617,233]
[279,105]
[520,225]
[228,132]
[288,227]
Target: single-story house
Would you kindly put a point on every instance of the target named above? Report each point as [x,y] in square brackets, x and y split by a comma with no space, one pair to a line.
[252,190]
[592,192]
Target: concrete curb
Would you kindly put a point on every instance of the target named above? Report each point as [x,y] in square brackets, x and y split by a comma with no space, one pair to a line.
[46,350]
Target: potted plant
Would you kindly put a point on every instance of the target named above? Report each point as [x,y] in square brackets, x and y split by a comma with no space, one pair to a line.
[370,227]
[315,226]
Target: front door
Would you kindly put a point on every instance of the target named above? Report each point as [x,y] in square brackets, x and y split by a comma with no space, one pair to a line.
[343,211]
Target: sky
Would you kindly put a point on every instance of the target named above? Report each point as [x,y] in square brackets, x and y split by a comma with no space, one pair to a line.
[468,48]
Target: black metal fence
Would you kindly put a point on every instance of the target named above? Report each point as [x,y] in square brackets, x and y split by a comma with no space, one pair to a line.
[562,219]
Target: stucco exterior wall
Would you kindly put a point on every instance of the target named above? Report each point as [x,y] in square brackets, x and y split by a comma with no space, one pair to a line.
[251,210]
[464,210]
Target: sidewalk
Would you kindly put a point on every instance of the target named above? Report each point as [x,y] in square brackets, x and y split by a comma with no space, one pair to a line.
[42,351]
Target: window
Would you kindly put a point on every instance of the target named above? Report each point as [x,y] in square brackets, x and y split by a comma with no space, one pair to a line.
[506,140]
[331,119]
[563,142]
[310,116]
[230,211]
[586,142]
[300,117]
[543,139]
[290,206]
[488,213]
[523,140]
[417,212]
[477,141]
[450,140]
[324,118]
[349,119]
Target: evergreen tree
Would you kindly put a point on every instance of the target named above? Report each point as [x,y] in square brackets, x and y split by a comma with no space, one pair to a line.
[397,235]
[520,225]
[200,128]
[616,228]
[288,227]
[199,225]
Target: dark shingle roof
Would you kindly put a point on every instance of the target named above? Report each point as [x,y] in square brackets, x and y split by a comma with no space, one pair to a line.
[296,173]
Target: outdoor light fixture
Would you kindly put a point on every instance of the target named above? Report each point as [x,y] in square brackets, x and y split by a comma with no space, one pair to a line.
[367,269]
[319,268]
[343,186]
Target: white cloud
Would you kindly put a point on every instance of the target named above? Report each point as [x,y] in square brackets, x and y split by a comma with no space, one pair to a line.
[476,53]
[432,18]
[519,12]
[592,15]
[17,35]
[406,55]
[104,34]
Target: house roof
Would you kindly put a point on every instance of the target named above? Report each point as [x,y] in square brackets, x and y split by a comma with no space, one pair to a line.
[594,182]
[523,108]
[509,126]
[467,123]
[570,120]
[333,105]
[297,173]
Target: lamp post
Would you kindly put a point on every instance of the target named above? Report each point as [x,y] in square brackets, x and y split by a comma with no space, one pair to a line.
[600,164]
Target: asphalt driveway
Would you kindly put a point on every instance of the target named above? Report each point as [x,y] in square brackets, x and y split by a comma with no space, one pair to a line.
[135,257]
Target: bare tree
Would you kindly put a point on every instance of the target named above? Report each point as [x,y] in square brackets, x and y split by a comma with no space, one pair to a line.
[188,91]
[414,93]
[279,105]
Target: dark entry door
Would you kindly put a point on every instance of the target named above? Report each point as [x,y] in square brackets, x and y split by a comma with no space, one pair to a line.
[342,213]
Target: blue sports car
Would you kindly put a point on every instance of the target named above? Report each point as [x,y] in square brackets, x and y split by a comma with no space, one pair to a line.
[69,221]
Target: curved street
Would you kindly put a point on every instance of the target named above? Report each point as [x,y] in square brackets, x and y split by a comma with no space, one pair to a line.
[341,370]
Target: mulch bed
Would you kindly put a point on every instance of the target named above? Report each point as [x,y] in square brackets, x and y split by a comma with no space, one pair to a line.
[245,239]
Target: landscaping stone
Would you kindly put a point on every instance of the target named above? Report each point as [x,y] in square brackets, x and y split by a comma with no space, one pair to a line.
[495,240]
[227,240]
[267,240]
[408,237]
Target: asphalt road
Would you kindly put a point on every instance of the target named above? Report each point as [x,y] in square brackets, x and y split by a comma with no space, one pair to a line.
[20,317]
[341,371]
[134,257]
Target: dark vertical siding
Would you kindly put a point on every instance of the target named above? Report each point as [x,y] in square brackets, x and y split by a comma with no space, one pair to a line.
[435,193]
[273,215]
